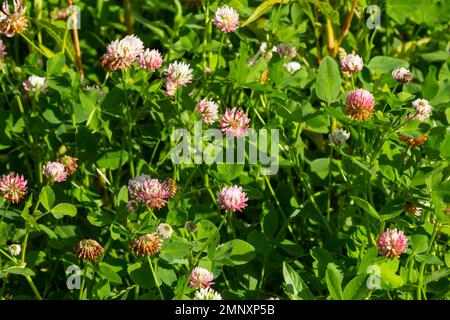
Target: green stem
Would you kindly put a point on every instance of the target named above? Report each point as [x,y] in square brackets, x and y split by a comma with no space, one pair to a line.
[155,278]
[83,282]
[33,287]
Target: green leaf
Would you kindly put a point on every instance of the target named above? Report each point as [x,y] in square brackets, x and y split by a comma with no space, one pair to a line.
[363,204]
[47,198]
[385,64]
[419,243]
[429,258]
[356,289]
[261,9]
[392,209]
[56,63]
[296,288]
[141,274]
[168,276]
[230,171]
[321,167]
[20,271]
[174,249]
[107,272]
[64,209]
[328,81]
[234,253]
[333,278]
[113,160]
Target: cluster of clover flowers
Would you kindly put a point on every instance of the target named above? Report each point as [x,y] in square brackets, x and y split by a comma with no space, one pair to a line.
[121,55]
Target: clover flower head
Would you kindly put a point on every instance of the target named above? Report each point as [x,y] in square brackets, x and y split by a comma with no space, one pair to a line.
[232,199]
[201,278]
[292,67]
[351,63]
[360,104]
[207,294]
[402,75]
[338,137]
[120,54]
[164,230]
[392,243]
[178,74]
[70,164]
[55,171]
[150,60]
[88,249]
[286,50]
[226,19]
[13,22]
[13,187]
[147,245]
[208,110]
[234,122]
[35,84]
[423,109]
[15,249]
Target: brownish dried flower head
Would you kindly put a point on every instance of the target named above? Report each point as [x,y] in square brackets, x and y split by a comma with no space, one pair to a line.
[171,185]
[147,244]
[70,163]
[414,142]
[413,209]
[88,249]
[12,22]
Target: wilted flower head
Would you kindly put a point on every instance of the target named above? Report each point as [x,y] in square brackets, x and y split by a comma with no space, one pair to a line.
[392,243]
[12,22]
[351,63]
[88,249]
[338,137]
[15,249]
[164,230]
[150,60]
[191,226]
[178,74]
[412,141]
[55,171]
[292,67]
[3,51]
[132,205]
[423,110]
[234,122]
[201,278]
[286,50]
[120,54]
[207,294]
[226,19]
[413,209]
[13,187]
[232,198]
[360,104]
[35,84]
[402,75]
[155,194]
[70,164]
[147,244]
[207,110]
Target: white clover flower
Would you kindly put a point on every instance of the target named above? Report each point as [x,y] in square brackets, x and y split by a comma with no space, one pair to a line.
[15,249]
[207,294]
[338,137]
[35,84]
[292,67]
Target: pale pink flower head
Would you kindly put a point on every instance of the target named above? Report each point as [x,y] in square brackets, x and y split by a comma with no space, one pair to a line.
[201,278]
[232,199]
[135,186]
[352,63]
[13,187]
[55,171]
[150,60]
[402,75]
[360,104]
[338,137]
[423,109]
[178,74]
[35,84]
[226,19]
[3,51]
[286,50]
[12,22]
[234,122]
[120,54]
[392,243]
[155,194]
[207,110]
[164,230]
